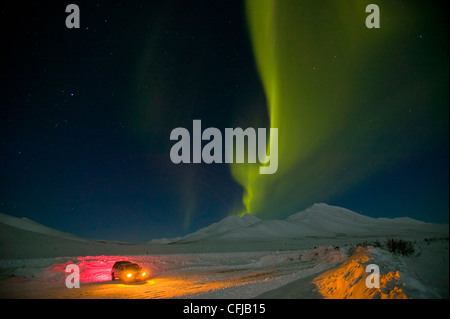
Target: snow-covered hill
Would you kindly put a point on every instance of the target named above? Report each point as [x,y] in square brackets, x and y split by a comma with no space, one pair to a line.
[319,220]
[227,224]
[25,238]
[320,224]
[32,226]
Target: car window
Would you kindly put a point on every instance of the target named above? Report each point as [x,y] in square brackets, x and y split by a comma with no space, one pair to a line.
[131,267]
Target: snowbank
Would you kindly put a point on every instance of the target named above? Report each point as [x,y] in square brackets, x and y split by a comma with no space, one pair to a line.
[423,275]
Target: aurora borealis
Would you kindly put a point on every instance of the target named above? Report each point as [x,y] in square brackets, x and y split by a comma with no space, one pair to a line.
[362,114]
[346,99]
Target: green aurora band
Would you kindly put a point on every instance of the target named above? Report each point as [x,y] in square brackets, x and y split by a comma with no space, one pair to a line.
[347,100]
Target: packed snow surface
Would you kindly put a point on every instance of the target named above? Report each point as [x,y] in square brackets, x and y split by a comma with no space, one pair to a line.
[317,253]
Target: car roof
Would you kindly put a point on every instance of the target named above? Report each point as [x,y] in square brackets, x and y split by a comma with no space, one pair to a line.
[122,262]
[131,265]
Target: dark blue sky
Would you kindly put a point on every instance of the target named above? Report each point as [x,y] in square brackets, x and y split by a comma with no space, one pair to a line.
[86,117]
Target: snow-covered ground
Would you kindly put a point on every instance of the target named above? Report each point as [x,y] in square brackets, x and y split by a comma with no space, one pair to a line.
[311,254]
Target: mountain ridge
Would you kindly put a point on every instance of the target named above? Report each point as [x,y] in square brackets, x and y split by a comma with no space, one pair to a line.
[319,219]
[33,226]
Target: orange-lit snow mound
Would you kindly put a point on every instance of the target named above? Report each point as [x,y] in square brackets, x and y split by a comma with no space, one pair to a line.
[348,281]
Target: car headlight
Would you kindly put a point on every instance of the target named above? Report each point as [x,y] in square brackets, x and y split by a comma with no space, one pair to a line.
[143,274]
[129,275]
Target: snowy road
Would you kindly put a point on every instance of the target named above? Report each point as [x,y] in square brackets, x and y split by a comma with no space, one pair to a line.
[222,275]
[195,285]
[300,274]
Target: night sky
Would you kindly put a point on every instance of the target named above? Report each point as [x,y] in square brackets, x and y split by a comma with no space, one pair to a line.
[86,114]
